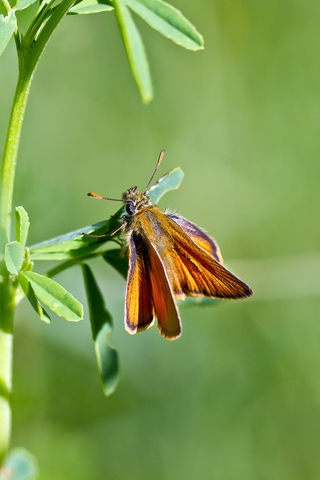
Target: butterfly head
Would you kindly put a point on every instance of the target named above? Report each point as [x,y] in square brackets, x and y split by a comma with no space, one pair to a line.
[135,200]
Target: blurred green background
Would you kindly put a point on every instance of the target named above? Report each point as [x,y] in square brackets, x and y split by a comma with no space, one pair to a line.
[238,396]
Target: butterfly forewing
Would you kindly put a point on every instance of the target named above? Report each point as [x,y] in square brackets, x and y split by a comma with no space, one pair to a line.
[210,277]
[139,313]
[191,270]
[149,293]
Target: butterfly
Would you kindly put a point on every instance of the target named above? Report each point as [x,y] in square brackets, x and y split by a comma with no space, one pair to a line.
[169,258]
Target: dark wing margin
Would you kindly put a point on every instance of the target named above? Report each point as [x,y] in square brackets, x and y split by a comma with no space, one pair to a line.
[199,236]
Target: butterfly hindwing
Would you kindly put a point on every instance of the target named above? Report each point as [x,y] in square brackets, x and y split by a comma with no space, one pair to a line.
[199,236]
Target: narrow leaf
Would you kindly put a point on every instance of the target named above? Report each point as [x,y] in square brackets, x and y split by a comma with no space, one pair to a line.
[29,293]
[90,6]
[19,464]
[107,360]
[135,50]
[170,181]
[101,326]
[22,4]
[22,225]
[117,260]
[55,297]
[13,257]
[168,21]
[55,254]
[68,245]
[7,27]
[70,237]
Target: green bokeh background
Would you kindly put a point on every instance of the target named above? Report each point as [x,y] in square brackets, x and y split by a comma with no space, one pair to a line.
[238,396]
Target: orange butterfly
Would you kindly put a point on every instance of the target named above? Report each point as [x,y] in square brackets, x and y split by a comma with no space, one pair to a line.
[169,257]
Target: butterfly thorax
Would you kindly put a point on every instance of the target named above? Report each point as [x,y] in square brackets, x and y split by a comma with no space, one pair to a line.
[135,200]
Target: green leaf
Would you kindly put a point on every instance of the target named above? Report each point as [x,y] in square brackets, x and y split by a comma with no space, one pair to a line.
[27,264]
[7,27]
[168,21]
[19,464]
[101,326]
[170,181]
[135,50]
[29,293]
[117,260]
[75,244]
[13,257]
[54,253]
[90,6]
[70,237]
[22,4]
[55,297]
[22,225]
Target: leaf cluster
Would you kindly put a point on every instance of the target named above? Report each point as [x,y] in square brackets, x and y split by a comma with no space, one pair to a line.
[161,16]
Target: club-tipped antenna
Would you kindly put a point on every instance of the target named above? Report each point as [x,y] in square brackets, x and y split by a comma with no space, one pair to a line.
[157,166]
[99,197]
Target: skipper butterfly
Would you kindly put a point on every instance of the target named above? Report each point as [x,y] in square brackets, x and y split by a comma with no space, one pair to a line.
[169,258]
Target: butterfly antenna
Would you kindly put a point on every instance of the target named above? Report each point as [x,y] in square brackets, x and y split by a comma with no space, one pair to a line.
[94,195]
[157,166]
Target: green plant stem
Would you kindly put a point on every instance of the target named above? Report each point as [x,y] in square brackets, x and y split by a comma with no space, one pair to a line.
[29,52]
[29,55]
[7,5]
[10,154]
[7,305]
[7,292]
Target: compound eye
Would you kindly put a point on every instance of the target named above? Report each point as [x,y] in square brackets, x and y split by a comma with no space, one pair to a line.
[130,208]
